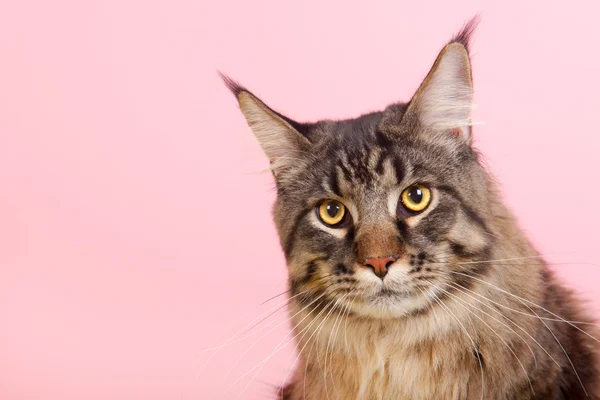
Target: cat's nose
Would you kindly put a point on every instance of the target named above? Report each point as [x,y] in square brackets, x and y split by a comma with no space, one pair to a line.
[380,265]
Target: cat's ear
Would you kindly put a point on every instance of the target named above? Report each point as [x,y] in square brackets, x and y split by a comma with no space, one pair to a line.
[278,136]
[444,100]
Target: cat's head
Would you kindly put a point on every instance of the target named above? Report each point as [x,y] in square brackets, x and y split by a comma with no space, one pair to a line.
[381,211]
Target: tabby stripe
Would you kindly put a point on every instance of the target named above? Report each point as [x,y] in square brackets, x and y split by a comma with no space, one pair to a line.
[398,169]
[333,183]
[473,216]
[345,170]
[402,228]
[476,270]
[341,268]
[290,239]
[311,270]
[383,141]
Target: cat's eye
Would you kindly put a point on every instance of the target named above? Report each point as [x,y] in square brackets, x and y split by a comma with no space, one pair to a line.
[416,198]
[331,212]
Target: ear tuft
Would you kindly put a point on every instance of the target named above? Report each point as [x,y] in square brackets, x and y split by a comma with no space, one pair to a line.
[464,35]
[232,85]
[444,100]
[278,136]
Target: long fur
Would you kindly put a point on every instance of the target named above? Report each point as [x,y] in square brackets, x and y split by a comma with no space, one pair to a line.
[468,309]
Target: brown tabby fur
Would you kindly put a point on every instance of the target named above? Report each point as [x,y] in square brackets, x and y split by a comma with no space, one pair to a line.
[468,311]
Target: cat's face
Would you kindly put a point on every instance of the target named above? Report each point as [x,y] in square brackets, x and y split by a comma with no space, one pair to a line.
[386,212]
[373,218]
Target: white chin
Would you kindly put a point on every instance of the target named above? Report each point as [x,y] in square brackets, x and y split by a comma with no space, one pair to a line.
[391,306]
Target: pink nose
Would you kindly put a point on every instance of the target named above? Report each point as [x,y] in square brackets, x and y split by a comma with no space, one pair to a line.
[379,265]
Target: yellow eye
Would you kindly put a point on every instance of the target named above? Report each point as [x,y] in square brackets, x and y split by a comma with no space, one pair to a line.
[331,212]
[416,198]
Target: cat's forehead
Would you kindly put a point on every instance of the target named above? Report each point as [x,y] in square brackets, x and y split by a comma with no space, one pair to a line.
[360,133]
[352,158]
[356,130]
[359,156]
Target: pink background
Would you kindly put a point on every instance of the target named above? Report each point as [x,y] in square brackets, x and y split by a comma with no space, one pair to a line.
[135,224]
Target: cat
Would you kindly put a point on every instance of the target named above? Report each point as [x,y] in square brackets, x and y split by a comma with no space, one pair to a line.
[392,227]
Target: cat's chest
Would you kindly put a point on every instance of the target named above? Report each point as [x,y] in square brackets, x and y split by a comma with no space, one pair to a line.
[408,372]
[385,369]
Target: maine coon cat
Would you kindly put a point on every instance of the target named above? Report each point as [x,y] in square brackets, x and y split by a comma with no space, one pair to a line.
[391,226]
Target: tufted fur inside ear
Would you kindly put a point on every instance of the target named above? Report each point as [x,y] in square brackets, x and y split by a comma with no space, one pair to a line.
[444,100]
[279,139]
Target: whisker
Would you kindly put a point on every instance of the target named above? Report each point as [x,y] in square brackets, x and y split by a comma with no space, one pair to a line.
[232,339]
[317,330]
[308,341]
[242,338]
[508,264]
[436,298]
[493,331]
[329,342]
[296,295]
[295,360]
[463,289]
[523,300]
[223,334]
[524,313]
[243,330]
[504,261]
[560,319]
[563,349]
[275,327]
[265,318]
[456,286]
[432,306]
[495,261]
[345,311]
[346,326]
[276,296]
[278,347]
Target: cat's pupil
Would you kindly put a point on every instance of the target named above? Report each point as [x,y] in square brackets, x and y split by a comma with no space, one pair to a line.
[333,209]
[416,195]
